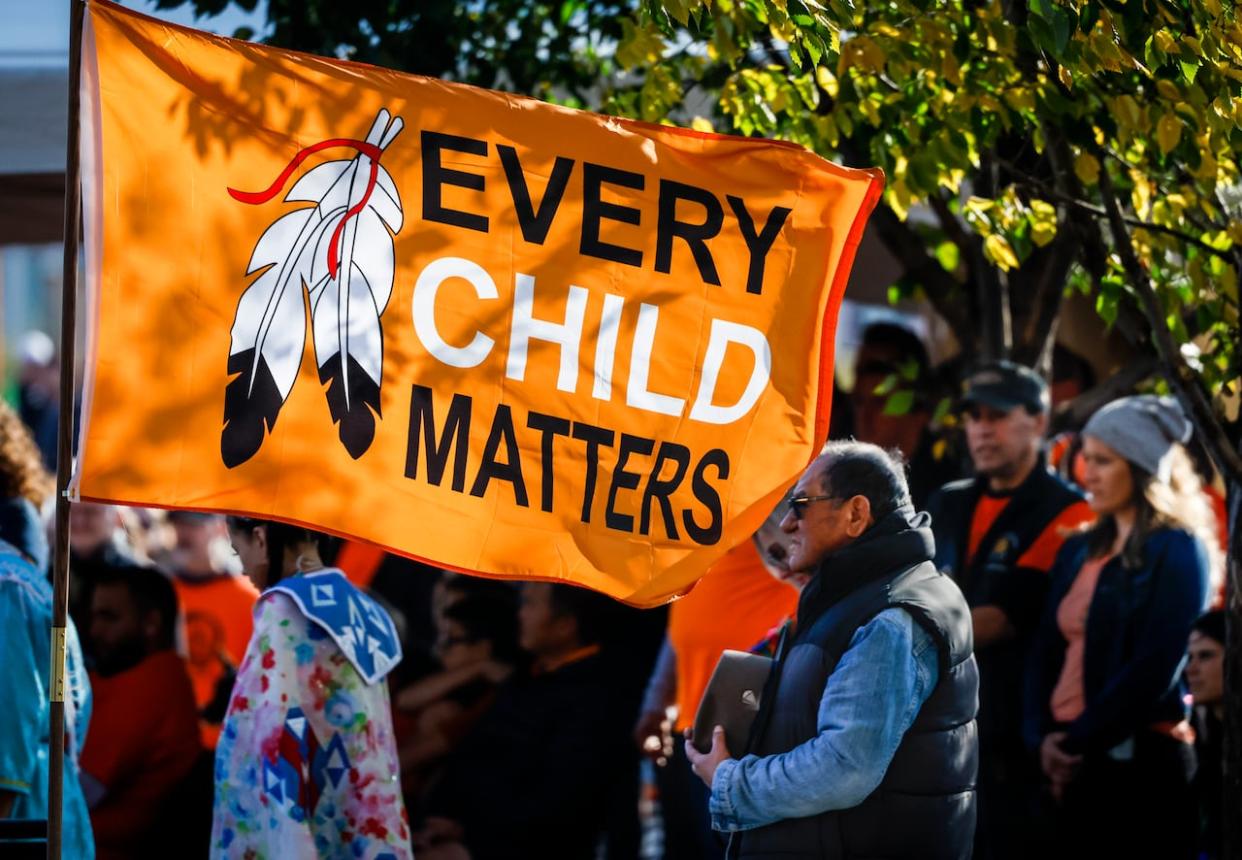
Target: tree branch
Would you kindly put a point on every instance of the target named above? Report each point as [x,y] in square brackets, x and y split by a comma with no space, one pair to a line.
[1180,377]
[1047,190]
[908,247]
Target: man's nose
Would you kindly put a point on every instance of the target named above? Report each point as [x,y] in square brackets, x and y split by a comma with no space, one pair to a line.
[789,523]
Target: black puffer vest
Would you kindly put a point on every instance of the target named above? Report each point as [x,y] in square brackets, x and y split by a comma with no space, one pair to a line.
[924,807]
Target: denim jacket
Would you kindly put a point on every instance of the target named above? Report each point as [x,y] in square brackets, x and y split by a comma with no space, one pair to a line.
[871,699]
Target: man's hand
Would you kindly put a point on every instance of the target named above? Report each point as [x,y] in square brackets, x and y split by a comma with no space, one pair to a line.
[1059,766]
[704,764]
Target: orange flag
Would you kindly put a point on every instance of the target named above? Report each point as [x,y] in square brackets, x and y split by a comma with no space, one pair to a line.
[473,328]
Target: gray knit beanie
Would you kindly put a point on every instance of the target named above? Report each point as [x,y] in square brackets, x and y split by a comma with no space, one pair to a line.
[1142,429]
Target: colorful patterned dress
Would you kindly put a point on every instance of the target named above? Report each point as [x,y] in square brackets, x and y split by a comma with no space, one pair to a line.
[307,764]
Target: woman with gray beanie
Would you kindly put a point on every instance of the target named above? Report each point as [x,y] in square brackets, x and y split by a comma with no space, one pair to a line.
[1104,698]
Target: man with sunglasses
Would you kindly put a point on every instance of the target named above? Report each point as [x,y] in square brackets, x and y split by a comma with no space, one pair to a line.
[997,535]
[865,742]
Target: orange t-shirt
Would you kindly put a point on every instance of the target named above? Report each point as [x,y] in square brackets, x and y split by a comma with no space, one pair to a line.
[360,561]
[1069,697]
[1043,550]
[218,614]
[733,607]
[143,741]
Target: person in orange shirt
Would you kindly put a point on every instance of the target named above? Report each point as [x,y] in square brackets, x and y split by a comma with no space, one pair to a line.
[997,535]
[217,606]
[733,607]
[136,756]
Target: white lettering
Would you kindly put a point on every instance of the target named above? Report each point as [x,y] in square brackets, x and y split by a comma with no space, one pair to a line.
[525,327]
[723,333]
[424,308]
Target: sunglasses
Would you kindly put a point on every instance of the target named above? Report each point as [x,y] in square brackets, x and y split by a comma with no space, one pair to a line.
[798,505]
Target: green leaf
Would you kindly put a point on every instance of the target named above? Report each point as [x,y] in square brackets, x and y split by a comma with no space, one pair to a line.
[949,255]
[899,403]
[887,385]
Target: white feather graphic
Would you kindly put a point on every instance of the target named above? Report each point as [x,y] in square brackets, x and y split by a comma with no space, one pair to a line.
[339,255]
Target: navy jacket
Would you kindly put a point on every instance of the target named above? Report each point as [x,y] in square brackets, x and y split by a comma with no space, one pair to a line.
[1137,627]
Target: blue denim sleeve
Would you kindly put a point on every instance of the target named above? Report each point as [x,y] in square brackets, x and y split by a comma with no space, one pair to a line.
[870,700]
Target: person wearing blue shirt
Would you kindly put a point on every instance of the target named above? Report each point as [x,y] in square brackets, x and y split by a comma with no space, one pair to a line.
[865,744]
[25,642]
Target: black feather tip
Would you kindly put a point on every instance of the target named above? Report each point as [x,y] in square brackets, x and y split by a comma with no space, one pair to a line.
[357,423]
[249,412]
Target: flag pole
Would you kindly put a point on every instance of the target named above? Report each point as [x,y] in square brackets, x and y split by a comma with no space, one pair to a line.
[64,445]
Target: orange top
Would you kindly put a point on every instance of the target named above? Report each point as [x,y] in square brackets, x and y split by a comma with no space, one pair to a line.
[1043,550]
[142,743]
[360,561]
[733,606]
[1069,698]
[218,621]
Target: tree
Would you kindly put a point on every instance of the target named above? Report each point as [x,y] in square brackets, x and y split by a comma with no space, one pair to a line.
[552,50]
[1055,145]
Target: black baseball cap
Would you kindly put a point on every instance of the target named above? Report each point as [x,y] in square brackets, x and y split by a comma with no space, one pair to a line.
[1005,385]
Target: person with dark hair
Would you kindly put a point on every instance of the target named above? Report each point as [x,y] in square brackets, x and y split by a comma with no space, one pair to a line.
[307,761]
[997,534]
[136,756]
[1104,699]
[892,350]
[96,546]
[531,780]
[1205,675]
[477,647]
[864,745]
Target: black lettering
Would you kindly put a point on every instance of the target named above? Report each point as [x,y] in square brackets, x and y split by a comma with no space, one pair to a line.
[534,224]
[623,480]
[435,175]
[491,469]
[594,437]
[595,210]
[662,489]
[694,235]
[456,431]
[707,494]
[551,427]
[759,244]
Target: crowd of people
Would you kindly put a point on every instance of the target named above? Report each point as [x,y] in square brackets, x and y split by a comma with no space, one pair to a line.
[986,640]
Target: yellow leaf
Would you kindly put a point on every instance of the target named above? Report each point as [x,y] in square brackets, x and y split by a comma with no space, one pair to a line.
[996,249]
[1087,168]
[1043,234]
[1169,90]
[702,124]
[1065,77]
[1165,41]
[1235,230]
[1020,99]
[1128,111]
[1141,195]
[827,81]
[1168,132]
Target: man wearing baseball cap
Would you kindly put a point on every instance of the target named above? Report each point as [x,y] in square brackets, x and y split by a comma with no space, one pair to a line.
[997,535]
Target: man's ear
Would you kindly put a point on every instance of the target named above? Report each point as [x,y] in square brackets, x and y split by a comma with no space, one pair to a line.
[858,515]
